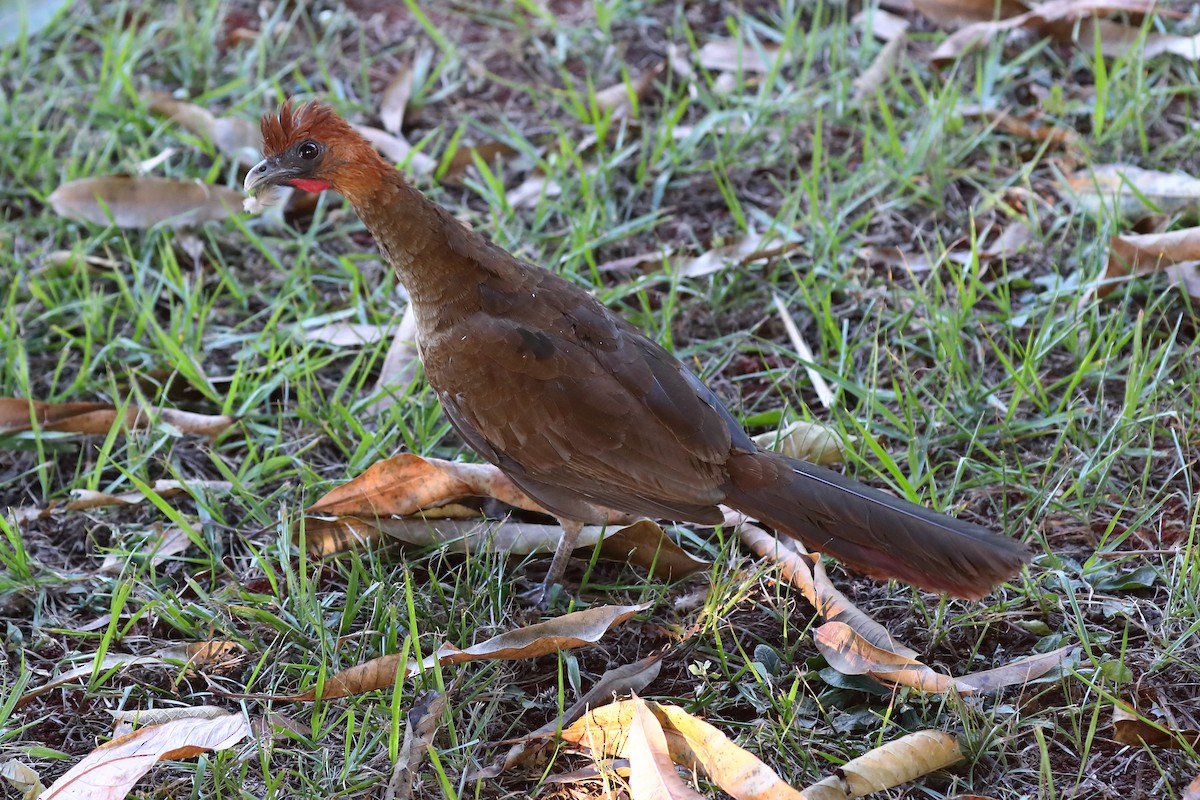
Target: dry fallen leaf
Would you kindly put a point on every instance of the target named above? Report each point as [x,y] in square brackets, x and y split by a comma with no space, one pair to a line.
[394,100]
[1104,188]
[851,654]
[23,779]
[110,771]
[1176,253]
[957,12]
[347,334]
[236,137]
[691,742]
[89,498]
[530,191]
[144,202]
[1062,19]
[807,441]
[617,680]
[155,549]
[1130,727]
[728,55]
[883,65]
[652,773]
[17,414]
[561,633]
[820,385]
[748,249]
[108,662]
[896,762]
[620,98]
[401,362]
[807,572]
[395,148]
[419,729]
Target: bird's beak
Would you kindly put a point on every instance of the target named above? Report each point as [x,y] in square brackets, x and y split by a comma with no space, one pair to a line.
[267,172]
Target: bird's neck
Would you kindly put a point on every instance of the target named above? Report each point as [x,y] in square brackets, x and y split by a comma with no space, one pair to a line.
[440,261]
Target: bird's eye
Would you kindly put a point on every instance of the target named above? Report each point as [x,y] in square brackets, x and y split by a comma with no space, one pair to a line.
[308,150]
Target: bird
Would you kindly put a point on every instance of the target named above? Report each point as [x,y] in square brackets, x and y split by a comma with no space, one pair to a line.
[583,411]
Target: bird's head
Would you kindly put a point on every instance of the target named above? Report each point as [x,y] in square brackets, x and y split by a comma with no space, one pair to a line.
[311,148]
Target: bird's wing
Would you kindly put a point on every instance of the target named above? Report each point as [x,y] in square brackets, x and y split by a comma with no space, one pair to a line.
[561,393]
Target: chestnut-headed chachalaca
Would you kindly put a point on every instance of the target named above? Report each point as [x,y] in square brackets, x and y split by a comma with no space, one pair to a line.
[583,411]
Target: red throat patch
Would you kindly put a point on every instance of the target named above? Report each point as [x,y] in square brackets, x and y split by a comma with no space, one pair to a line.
[310,185]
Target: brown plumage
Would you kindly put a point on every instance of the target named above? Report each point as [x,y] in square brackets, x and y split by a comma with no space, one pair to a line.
[581,410]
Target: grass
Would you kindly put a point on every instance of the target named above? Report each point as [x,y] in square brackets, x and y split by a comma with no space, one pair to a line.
[985,388]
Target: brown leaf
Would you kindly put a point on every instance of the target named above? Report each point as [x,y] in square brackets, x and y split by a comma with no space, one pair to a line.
[1023,126]
[1192,790]
[395,148]
[407,483]
[957,12]
[89,498]
[155,549]
[895,258]
[17,414]
[747,249]
[464,158]
[692,743]
[211,653]
[652,774]
[644,544]
[807,573]
[561,633]
[419,730]
[401,362]
[236,137]
[899,761]
[111,770]
[729,55]
[1130,727]
[883,26]
[394,100]
[23,779]
[1015,673]
[531,190]
[851,654]
[347,334]
[807,441]
[108,662]
[144,202]
[1176,253]
[617,680]
[883,65]
[1056,18]
[1101,189]
[620,98]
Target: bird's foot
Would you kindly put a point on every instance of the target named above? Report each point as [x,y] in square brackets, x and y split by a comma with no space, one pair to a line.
[544,595]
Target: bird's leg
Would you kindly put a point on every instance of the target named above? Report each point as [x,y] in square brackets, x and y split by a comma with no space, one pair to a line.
[570,535]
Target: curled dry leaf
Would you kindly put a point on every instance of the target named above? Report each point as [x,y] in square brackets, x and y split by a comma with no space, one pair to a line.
[394,100]
[155,549]
[395,148]
[883,65]
[530,191]
[1101,189]
[1025,126]
[1061,19]
[652,773]
[235,137]
[633,677]
[899,761]
[621,98]
[748,249]
[401,362]
[18,414]
[561,633]
[23,779]
[807,573]
[1176,253]
[807,441]
[881,24]
[729,55]
[144,202]
[108,662]
[691,743]
[851,654]
[958,12]
[464,158]
[1132,728]
[347,334]
[89,498]
[419,730]
[110,771]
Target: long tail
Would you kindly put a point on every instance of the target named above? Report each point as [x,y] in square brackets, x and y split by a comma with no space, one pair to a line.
[881,535]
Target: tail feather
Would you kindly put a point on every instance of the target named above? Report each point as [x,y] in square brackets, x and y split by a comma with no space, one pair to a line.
[872,531]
